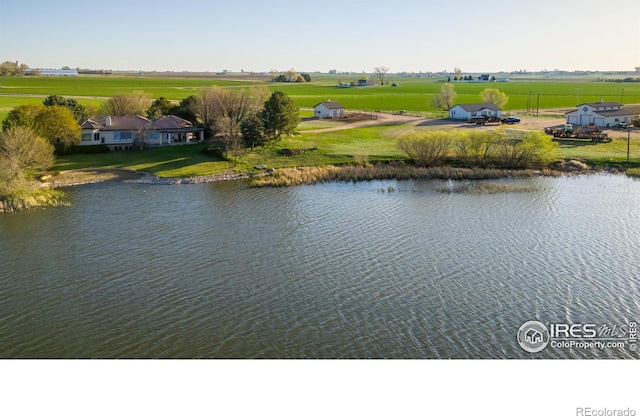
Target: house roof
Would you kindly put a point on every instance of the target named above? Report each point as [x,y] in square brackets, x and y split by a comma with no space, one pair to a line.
[601,104]
[171,122]
[331,105]
[117,123]
[137,122]
[478,107]
[613,113]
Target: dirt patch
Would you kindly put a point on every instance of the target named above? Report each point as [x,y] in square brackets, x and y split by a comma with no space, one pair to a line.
[83,176]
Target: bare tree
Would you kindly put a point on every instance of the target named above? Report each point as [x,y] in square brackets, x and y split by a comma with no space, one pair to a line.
[22,150]
[230,130]
[445,98]
[380,72]
[457,73]
[215,103]
[133,104]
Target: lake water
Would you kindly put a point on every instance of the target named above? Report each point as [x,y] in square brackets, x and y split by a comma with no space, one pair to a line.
[380,269]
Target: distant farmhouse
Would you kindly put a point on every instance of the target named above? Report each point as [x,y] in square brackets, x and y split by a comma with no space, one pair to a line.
[601,114]
[127,133]
[52,72]
[467,111]
[328,109]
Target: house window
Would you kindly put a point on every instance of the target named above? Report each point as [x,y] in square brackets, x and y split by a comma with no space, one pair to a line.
[122,136]
[86,137]
[96,136]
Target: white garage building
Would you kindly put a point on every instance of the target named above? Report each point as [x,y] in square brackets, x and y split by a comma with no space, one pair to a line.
[328,109]
[601,114]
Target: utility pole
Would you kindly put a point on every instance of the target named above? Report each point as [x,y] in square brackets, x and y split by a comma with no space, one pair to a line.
[538,105]
[622,96]
[628,142]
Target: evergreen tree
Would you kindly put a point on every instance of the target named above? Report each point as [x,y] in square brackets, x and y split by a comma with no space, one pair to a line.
[280,115]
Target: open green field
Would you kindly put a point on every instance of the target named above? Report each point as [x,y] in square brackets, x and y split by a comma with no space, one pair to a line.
[412,94]
[331,147]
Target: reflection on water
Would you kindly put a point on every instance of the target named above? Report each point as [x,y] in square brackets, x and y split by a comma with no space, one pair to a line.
[376,269]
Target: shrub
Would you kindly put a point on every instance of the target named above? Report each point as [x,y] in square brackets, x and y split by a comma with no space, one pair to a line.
[530,149]
[476,149]
[61,150]
[426,148]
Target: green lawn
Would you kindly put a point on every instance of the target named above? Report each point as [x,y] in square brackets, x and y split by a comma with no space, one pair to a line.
[337,147]
[601,154]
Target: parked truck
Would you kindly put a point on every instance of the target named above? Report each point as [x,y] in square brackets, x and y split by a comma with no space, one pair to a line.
[568,131]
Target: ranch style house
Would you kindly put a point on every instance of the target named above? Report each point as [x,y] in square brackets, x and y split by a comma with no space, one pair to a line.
[601,114]
[328,109]
[467,111]
[129,132]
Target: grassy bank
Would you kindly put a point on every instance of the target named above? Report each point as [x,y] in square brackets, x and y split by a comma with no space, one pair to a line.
[21,200]
[380,171]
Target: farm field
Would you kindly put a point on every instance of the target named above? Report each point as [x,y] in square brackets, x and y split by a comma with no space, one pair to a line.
[412,95]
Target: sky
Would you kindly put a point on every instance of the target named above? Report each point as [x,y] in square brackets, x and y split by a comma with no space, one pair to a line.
[308,36]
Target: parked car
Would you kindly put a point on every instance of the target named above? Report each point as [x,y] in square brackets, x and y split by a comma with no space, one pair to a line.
[511,120]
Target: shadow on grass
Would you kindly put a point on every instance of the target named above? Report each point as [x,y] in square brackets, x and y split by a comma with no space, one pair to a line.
[576,143]
[153,160]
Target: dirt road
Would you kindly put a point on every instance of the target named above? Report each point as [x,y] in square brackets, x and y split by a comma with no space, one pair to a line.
[526,123]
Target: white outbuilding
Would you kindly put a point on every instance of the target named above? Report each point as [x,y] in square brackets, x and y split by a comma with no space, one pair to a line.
[601,114]
[467,111]
[328,109]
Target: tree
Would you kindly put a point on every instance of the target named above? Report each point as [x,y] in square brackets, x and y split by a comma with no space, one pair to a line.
[229,129]
[252,129]
[215,103]
[21,150]
[159,107]
[12,69]
[380,72]
[280,115]
[185,109]
[58,125]
[494,96]
[457,73]
[134,104]
[22,115]
[79,111]
[445,98]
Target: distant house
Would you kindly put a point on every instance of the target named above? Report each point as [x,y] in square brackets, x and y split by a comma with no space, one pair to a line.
[127,132]
[328,109]
[601,114]
[467,111]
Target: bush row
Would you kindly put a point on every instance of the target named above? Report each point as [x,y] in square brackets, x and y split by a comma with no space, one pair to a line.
[500,148]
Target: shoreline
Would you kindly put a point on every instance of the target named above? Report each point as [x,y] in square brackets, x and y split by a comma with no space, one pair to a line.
[310,174]
[78,177]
